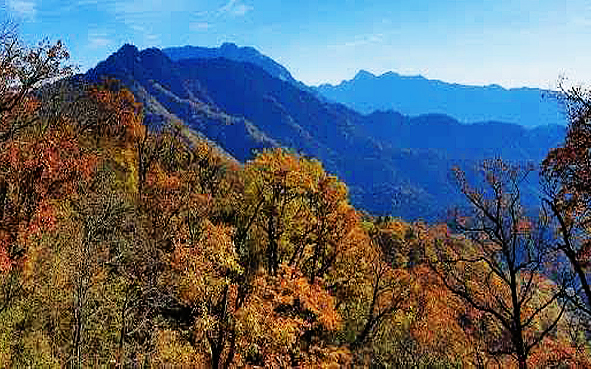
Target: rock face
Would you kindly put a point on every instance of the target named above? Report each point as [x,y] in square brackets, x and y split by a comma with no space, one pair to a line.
[393,164]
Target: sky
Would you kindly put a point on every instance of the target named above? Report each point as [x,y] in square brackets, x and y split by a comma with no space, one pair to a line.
[513,43]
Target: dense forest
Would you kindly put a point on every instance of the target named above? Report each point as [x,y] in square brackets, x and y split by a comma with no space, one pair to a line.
[123,245]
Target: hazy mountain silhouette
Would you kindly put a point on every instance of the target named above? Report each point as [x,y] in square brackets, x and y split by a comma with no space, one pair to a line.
[415,95]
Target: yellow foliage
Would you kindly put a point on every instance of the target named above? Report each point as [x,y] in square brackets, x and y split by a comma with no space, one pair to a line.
[173,351]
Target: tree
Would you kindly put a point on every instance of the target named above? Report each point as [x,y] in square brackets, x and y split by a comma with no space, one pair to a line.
[294,213]
[500,272]
[21,70]
[53,135]
[401,313]
[27,181]
[97,223]
[388,285]
[567,192]
[282,320]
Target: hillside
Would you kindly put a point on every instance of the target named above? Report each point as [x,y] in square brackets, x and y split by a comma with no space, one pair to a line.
[385,158]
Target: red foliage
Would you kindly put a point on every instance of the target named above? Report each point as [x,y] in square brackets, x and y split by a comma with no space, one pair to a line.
[5,262]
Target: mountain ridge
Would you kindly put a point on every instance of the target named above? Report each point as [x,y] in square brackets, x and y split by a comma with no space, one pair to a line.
[415,95]
[231,51]
[383,156]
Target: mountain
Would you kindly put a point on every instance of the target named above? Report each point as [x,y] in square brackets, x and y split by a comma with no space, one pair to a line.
[233,52]
[167,95]
[392,163]
[416,95]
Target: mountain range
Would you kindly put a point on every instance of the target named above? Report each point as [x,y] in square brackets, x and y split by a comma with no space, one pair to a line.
[415,95]
[243,102]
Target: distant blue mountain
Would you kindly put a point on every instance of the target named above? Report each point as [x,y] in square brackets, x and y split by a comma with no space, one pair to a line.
[416,95]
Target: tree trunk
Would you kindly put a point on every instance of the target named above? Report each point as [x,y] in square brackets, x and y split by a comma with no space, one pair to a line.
[215,358]
[3,194]
[522,362]
[272,251]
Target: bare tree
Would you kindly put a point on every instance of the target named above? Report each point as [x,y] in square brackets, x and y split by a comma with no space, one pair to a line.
[500,270]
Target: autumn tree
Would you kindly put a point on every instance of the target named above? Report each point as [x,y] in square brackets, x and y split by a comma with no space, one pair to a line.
[103,253]
[567,191]
[387,285]
[57,136]
[502,272]
[216,265]
[37,163]
[295,213]
[22,69]
[280,323]
[401,313]
[183,198]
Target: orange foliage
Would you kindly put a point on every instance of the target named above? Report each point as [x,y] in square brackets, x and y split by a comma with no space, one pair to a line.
[279,315]
[121,115]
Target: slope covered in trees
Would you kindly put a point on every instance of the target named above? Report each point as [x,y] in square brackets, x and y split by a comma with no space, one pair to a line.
[125,246]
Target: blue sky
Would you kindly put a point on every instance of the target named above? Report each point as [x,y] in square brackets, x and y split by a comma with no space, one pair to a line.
[513,43]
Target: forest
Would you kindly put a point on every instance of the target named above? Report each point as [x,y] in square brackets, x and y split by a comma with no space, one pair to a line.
[131,245]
